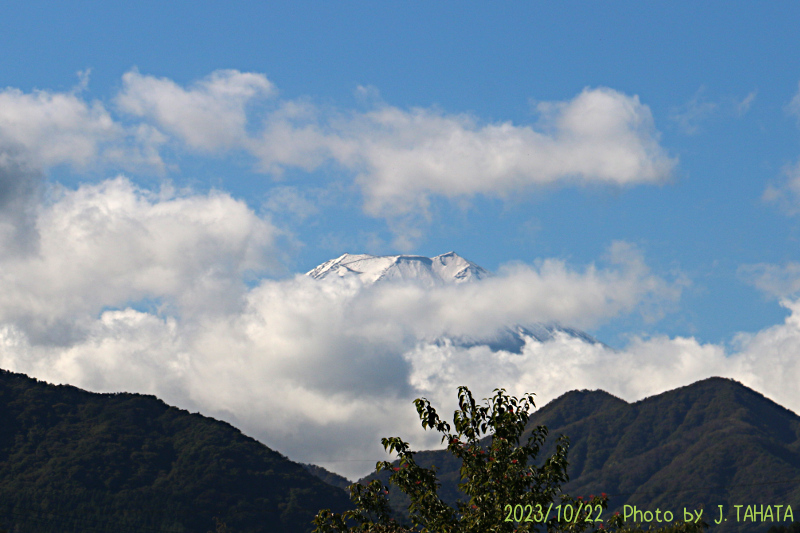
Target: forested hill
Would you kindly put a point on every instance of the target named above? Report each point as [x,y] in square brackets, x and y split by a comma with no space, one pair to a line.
[75,461]
[713,442]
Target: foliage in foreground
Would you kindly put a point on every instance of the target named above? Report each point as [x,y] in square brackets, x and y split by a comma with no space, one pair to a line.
[504,488]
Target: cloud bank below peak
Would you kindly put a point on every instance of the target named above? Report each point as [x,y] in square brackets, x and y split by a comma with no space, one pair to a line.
[142,291]
[338,358]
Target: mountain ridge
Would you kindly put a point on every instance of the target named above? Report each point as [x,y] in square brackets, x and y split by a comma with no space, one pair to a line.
[712,442]
[73,460]
[430,271]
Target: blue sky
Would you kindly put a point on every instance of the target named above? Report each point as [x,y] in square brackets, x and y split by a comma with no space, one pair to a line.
[160,160]
[691,65]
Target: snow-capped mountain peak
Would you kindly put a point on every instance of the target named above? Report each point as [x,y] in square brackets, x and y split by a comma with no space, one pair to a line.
[442,269]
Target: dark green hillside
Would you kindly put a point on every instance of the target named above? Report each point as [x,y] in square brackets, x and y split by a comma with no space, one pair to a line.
[72,460]
[712,442]
[331,478]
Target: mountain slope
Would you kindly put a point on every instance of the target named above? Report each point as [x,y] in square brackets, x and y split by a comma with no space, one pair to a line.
[713,442]
[72,460]
[331,478]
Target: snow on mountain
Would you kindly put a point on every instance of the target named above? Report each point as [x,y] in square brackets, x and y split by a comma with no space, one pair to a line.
[429,271]
[449,268]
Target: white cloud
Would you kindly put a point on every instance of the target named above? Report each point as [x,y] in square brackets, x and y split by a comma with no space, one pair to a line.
[403,157]
[767,360]
[314,369]
[121,350]
[294,135]
[399,159]
[130,289]
[321,371]
[20,186]
[299,369]
[211,115]
[54,128]
[111,243]
[779,281]
[549,369]
[44,129]
[549,291]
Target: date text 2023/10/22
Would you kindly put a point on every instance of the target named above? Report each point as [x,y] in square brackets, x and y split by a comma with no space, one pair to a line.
[591,513]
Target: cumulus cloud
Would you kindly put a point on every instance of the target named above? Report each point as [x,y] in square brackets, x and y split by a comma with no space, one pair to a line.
[402,157]
[37,131]
[120,350]
[321,370]
[767,360]
[311,368]
[54,128]
[20,187]
[110,244]
[548,291]
[549,369]
[291,201]
[125,288]
[43,129]
[210,115]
